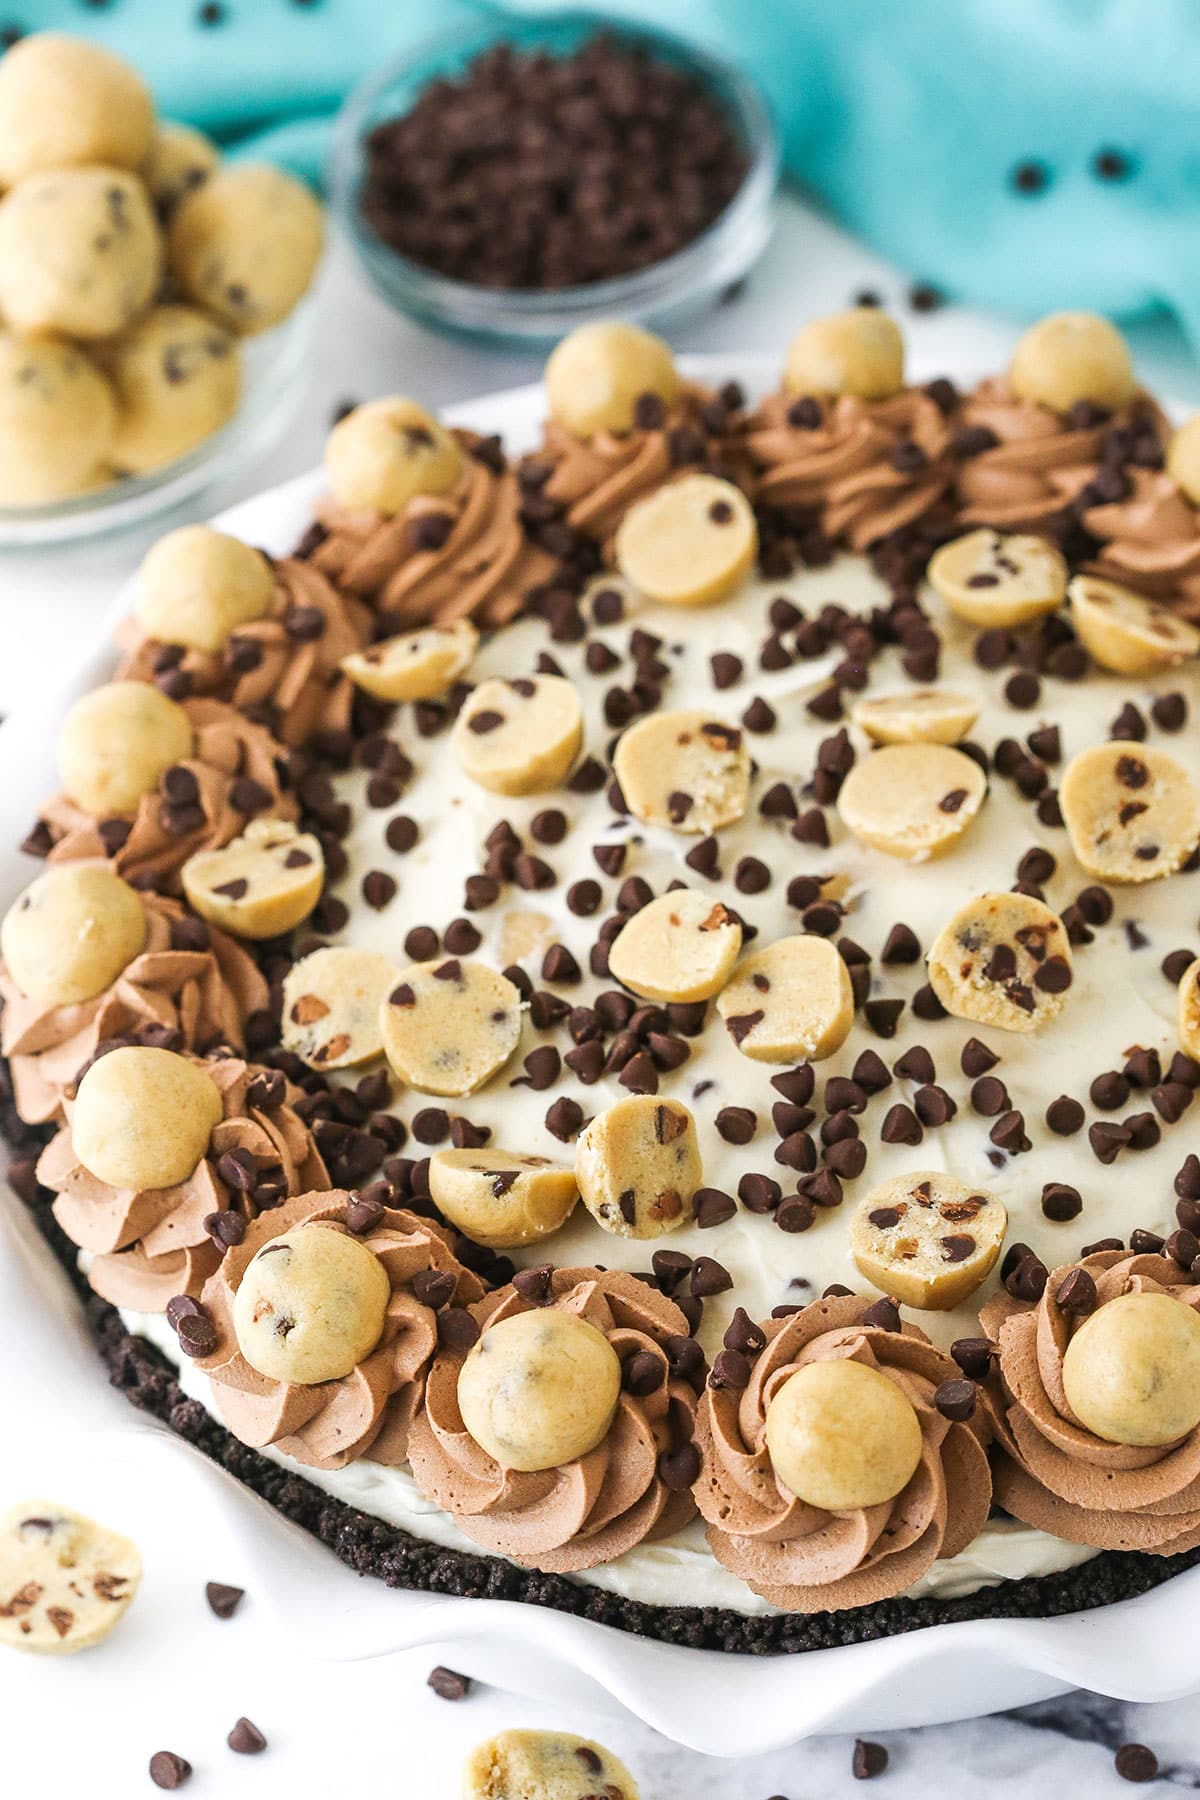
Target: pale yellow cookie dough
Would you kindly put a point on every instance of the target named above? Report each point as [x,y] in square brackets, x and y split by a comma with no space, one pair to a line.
[598,373]
[310,1306]
[638,1166]
[686,771]
[859,352]
[259,885]
[1132,813]
[1072,356]
[502,1197]
[1124,632]
[917,716]
[1132,1370]
[387,452]
[1003,960]
[520,736]
[790,1001]
[64,102]
[180,160]
[842,1435]
[681,947]
[178,378]
[58,420]
[690,543]
[927,1238]
[415,665]
[1183,458]
[331,1006]
[116,743]
[912,801]
[80,252]
[196,585]
[449,1025]
[998,580]
[65,1581]
[142,1118]
[544,1765]
[246,245]
[71,933]
[1188,1012]
[539,1389]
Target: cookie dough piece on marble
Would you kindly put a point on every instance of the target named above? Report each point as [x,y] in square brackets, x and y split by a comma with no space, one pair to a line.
[331,1006]
[80,252]
[1002,960]
[520,736]
[142,1118]
[65,102]
[1069,357]
[180,160]
[178,378]
[387,452]
[448,1026]
[502,1197]
[259,885]
[539,1389]
[912,801]
[1189,1012]
[1131,1372]
[1132,814]
[196,585]
[71,933]
[638,1166]
[858,352]
[58,420]
[416,665]
[680,947]
[790,1002]
[1124,632]
[684,770]
[544,1765]
[927,1238]
[997,580]
[117,741]
[65,1581]
[917,716]
[246,244]
[310,1306]
[598,373]
[842,1435]
[690,543]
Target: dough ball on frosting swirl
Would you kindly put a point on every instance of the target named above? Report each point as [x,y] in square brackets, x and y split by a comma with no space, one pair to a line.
[841,1435]
[539,1389]
[72,931]
[387,452]
[142,1117]
[310,1306]
[116,743]
[858,352]
[197,585]
[1070,357]
[598,373]
[1132,1371]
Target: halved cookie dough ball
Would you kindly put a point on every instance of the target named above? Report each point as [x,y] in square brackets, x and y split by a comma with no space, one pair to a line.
[65,1582]
[259,885]
[1183,458]
[180,160]
[790,1002]
[539,1389]
[927,1238]
[1131,813]
[196,585]
[912,801]
[1188,1011]
[1073,356]
[246,245]
[688,544]
[502,1197]
[1131,1372]
[681,946]
[71,933]
[387,452]
[997,580]
[65,102]
[917,716]
[598,373]
[859,352]
[684,770]
[80,252]
[117,741]
[178,377]
[58,419]
[544,1765]
[448,1026]
[1002,960]
[638,1165]
[331,1002]
[311,1305]
[842,1435]
[142,1118]
[416,665]
[520,736]
[1126,633]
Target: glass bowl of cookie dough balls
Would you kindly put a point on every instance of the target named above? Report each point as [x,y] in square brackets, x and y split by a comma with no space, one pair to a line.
[153,323]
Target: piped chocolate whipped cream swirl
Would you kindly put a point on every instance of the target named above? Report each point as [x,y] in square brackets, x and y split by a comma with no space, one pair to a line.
[798,1556]
[1150,540]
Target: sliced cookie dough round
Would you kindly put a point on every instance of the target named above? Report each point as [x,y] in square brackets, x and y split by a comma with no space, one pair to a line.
[65,1581]
[790,1002]
[917,716]
[502,1197]
[684,770]
[1126,633]
[1132,814]
[544,1765]
[331,1006]
[691,543]
[638,1166]
[598,373]
[259,885]
[448,1026]
[1002,960]
[71,933]
[142,1118]
[1188,1013]
[387,452]
[1073,357]
[520,736]
[912,801]
[997,580]
[197,585]
[415,665]
[310,1306]
[117,742]
[927,1238]
[679,947]
[539,1389]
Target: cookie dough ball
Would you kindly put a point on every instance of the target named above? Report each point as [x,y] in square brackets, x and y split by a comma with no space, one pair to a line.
[680,947]
[917,716]
[1188,1012]
[685,771]
[331,1005]
[180,160]
[64,102]
[311,1306]
[539,1389]
[58,420]
[638,1166]
[449,1026]
[502,1197]
[1003,960]
[80,252]
[520,736]
[415,665]
[246,245]
[178,378]
[1126,633]
[196,585]
[260,885]
[65,1582]
[116,743]
[912,801]
[1071,357]
[1132,1370]
[387,452]
[597,375]
[859,352]
[998,580]
[71,933]
[927,1238]
[1131,813]
[544,1765]
[789,1003]
[843,1435]
[142,1118]
[1183,458]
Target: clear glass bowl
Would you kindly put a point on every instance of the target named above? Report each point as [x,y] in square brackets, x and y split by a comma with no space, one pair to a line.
[678,287]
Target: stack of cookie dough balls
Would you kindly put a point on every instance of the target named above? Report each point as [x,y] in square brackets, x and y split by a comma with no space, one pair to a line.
[132,263]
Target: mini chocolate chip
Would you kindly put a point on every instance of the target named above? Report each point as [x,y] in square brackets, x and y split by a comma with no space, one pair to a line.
[167,1770]
[1136,1762]
[223,1600]
[246,1739]
[1076,1293]
[955,1399]
[448,1684]
[1061,1202]
[1064,1116]
[882,1315]
[973,1356]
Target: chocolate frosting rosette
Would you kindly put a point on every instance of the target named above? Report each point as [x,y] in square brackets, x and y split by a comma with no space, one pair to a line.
[558,1419]
[872,1424]
[1150,540]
